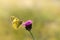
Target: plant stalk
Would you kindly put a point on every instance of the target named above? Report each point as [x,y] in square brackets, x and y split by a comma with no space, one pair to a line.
[32,35]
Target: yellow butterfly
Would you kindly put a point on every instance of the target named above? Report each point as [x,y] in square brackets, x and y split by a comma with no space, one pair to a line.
[16,23]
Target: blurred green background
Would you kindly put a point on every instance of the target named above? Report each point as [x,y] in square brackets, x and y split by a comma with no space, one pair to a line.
[44,13]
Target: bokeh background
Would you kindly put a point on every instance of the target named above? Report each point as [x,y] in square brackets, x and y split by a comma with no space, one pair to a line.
[44,13]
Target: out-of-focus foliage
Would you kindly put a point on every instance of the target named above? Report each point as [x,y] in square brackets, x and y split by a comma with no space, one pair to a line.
[44,13]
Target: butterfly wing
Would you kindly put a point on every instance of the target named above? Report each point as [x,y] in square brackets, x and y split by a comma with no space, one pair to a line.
[16,23]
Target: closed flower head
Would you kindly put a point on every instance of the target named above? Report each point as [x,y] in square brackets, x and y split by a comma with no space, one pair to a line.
[28,25]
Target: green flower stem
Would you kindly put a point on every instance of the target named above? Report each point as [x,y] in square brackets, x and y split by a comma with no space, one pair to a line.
[32,35]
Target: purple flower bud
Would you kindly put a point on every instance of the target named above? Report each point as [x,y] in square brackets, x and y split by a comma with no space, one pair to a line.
[28,25]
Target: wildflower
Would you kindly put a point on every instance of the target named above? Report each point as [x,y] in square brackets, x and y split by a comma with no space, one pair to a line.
[28,25]
[16,23]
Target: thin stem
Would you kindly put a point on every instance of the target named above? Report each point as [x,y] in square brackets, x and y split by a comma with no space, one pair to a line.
[31,35]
